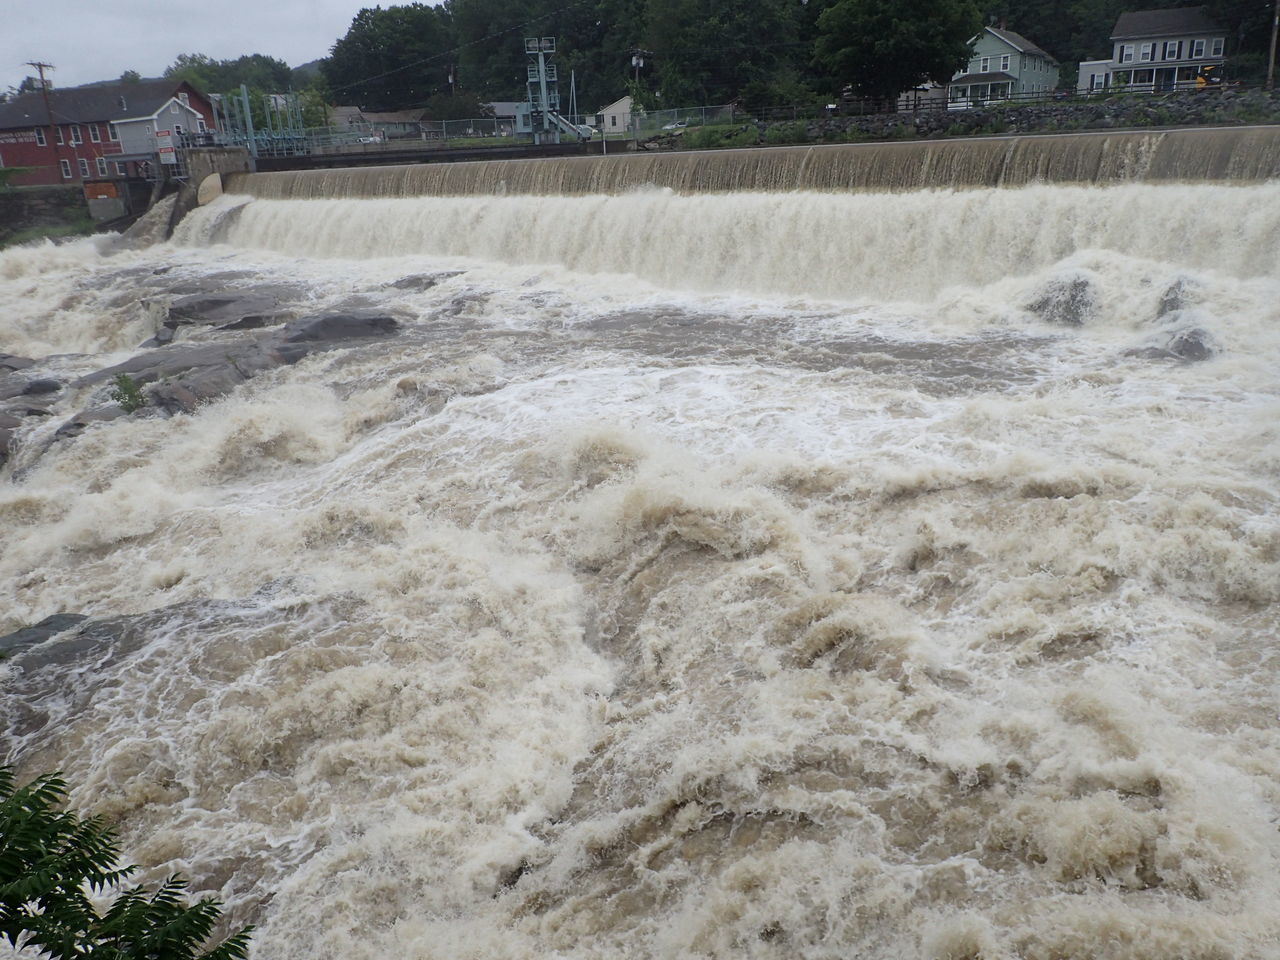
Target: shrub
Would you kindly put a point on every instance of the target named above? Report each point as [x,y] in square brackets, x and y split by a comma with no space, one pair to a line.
[127,393]
[51,859]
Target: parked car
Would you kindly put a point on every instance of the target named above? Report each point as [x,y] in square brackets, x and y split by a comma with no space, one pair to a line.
[677,125]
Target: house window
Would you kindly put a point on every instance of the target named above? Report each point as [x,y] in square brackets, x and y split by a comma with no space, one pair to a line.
[66,169]
[121,169]
[76,135]
[102,167]
[40,139]
[1004,62]
[1146,52]
[613,120]
[1173,49]
[986,64]
[95,135]
[1217,46]
[1126,53]
[173,108]
[965,69]
[200,125]
[112,133]
[177,128]
[58,131]
[84,167]
[1197,49]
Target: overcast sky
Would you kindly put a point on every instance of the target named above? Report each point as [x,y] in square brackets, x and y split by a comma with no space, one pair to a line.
[90,41]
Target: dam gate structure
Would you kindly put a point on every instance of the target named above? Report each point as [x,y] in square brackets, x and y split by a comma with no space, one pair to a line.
[1220,155]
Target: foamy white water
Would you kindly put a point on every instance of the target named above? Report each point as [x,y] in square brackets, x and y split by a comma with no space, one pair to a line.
[724,576]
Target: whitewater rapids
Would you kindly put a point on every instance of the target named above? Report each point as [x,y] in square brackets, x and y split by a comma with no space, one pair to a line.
[767,576]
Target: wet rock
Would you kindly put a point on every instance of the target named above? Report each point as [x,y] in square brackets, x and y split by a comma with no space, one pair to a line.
[38,633]
[1193,344]
[1190,345]
[81,421]
[423,281]
[339,326]
[9,362]
[6,445]
[1066,302]
[249,310]
[1176,298]
[41,386]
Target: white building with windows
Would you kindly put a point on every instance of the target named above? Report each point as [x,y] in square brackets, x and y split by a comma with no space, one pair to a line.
[1158,50]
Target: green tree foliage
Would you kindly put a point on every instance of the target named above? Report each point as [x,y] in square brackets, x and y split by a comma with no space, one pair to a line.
[882,47]
[255,70]
[716,51]
[130,76]
[392,59]
[50,862]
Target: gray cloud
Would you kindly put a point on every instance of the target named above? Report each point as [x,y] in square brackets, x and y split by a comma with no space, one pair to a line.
[88,42]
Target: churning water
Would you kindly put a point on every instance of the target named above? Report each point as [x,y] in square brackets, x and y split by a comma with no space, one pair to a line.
[768,575]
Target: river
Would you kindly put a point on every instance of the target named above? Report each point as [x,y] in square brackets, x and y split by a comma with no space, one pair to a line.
[778,575]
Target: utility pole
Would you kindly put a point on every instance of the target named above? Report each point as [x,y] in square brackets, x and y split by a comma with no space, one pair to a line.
[1271,60]
[48,112]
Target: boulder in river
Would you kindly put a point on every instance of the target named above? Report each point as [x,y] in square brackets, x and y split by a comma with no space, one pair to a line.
[1066,301]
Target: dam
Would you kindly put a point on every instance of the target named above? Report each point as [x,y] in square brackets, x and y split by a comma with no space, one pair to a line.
[866,550]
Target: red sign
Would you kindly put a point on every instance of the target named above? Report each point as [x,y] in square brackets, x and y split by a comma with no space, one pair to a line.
[164,133]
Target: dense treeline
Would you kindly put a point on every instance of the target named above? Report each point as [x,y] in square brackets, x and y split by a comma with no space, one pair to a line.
[452,57]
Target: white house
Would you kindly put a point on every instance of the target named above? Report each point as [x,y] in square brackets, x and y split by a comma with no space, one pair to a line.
[616,117]
[1157,50]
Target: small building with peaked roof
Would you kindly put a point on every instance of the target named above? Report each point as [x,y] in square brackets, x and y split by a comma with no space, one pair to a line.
[99,130]
[1154,51]
[1004,65]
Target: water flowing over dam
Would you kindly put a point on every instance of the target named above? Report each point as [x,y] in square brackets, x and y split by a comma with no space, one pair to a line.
[582,562]
[1238,155]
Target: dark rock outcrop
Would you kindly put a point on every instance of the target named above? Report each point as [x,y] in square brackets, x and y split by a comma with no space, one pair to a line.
[1066,302]
[39,632]
[188,374]
[339,326]
[249,310]
[9,362]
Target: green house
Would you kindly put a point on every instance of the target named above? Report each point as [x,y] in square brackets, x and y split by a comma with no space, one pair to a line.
[1004,65]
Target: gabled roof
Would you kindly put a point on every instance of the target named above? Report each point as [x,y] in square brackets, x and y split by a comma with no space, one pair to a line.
[92,103]
[1020,43]
[1141,24]
[622,103]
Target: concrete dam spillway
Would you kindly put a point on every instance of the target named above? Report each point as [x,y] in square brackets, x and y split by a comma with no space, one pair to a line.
[1228,155]
[787,554]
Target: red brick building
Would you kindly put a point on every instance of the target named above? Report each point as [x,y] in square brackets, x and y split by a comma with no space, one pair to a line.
[78,137]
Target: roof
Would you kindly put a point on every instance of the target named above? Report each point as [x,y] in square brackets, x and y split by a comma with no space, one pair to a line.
[94,102]
[621,104]
[1021,43]
[981,78]
[1164,23]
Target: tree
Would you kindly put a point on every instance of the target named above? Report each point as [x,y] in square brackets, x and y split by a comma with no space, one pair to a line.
[51,859]
[716,51]
[255,70]
[392,59]
[882,47]
[130,76]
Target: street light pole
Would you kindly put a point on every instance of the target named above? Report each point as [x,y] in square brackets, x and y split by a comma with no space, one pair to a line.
[1271,60]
